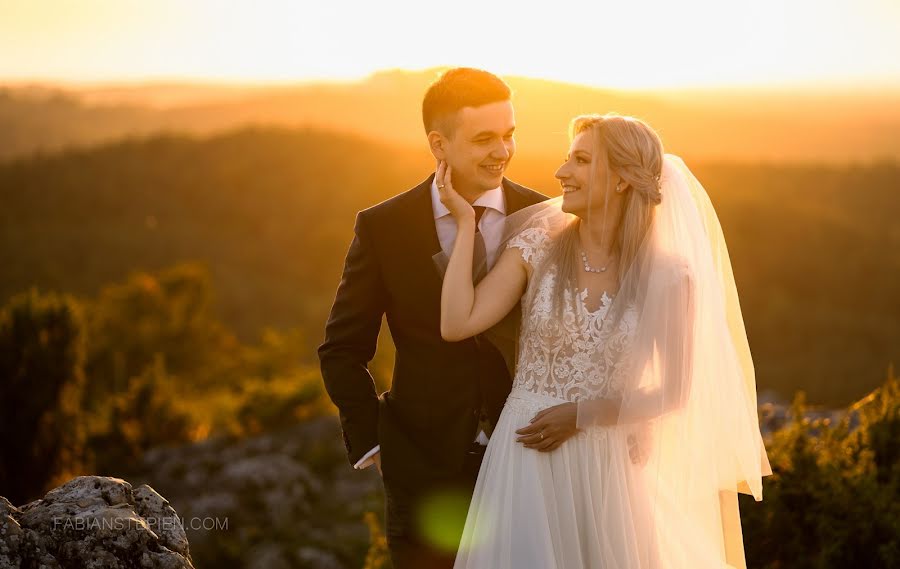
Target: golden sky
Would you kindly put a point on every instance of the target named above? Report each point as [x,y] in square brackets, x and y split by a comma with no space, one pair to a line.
[621,43]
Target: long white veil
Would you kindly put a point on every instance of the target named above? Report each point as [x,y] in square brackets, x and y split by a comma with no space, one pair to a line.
[689,404]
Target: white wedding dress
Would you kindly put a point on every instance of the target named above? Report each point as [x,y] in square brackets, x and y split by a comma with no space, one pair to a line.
[574,507]
[658,489]
[555,510]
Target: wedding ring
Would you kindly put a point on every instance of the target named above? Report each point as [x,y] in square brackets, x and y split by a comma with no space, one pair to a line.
[440,186]
[542,435]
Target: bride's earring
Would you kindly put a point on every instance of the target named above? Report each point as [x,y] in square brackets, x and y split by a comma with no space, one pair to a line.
[619,188]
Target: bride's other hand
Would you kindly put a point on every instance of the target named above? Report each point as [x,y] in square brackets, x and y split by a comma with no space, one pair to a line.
[550,427]
[636,451]
[458,206]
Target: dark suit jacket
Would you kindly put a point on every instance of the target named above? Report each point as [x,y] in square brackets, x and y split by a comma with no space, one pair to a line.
[426,422]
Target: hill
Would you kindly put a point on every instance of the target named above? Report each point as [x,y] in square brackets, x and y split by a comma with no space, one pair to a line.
[270,212]
[746,125]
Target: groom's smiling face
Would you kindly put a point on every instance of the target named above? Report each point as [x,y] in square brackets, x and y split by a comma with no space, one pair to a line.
[480,146]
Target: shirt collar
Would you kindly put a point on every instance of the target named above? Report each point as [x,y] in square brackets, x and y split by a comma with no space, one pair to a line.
[492,199]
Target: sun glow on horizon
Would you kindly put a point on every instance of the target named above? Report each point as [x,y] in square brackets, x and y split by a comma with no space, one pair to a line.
[694,43]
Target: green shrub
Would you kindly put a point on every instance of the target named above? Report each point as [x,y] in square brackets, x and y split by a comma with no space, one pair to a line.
[834,497]
[41,378]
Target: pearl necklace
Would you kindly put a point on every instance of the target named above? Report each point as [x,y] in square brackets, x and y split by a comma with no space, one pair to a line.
[589,268]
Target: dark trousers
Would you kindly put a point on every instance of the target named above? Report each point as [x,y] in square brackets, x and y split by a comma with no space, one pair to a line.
[425,519]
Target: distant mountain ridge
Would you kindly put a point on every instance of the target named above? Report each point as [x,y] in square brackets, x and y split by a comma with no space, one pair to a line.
[270,213]
[734,125]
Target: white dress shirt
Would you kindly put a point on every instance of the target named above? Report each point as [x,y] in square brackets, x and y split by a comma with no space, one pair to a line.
[491,228]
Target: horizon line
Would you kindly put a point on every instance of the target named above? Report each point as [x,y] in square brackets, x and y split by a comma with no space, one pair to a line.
[832,84]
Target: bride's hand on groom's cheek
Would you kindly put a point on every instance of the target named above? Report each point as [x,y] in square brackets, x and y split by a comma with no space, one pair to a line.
[557,424]
[454,202]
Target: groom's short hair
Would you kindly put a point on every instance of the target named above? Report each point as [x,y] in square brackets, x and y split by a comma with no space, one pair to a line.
[458,88]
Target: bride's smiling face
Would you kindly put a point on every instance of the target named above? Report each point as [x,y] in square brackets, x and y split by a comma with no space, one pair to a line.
[575,176]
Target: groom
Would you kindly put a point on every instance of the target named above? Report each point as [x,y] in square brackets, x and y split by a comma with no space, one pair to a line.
[427,434]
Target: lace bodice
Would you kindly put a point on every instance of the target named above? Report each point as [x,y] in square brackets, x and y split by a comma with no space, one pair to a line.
[576,358]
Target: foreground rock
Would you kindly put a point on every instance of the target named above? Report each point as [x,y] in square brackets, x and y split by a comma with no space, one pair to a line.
[277,500]
[93,522]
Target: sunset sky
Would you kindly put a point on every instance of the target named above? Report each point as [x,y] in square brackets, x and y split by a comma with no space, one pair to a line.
[624,44]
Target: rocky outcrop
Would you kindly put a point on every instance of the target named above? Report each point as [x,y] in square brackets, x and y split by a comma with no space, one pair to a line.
[93,522]
[277,500]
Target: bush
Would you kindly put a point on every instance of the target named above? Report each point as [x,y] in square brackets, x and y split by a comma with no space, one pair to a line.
[169,313]
[832,498]
[148,414]
[271,404]
[41,378]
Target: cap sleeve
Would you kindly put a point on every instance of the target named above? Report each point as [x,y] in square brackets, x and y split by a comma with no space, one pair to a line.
[533,242]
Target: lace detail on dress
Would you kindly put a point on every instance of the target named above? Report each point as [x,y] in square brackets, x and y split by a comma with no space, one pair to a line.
[533,242]
[576,357]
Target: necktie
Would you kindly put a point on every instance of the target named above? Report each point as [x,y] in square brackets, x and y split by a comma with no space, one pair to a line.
[479,212]
[479,256]
[479,260]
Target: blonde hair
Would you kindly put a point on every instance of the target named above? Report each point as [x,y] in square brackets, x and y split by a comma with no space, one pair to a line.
[633,150]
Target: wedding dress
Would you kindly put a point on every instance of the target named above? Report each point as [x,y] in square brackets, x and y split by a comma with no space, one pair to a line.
[657,489]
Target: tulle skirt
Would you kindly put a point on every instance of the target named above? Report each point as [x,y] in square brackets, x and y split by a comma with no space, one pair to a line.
[583,505]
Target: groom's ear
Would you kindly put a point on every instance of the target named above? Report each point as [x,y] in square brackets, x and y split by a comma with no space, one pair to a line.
[437,142]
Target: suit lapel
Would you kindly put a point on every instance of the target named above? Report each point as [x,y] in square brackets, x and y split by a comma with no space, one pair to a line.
[424,243]
[420,218]
[515,198]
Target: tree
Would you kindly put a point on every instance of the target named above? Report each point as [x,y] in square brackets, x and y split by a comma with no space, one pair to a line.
[41,378]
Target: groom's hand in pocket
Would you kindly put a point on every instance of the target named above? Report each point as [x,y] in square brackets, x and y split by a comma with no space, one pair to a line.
[550,427]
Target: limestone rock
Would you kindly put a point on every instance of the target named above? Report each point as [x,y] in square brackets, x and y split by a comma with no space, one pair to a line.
[285,498]
[93,522]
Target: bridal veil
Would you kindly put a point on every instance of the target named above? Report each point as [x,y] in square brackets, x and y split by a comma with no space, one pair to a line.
[688,405]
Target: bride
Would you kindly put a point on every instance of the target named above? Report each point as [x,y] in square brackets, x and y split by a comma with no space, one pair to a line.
[631,425]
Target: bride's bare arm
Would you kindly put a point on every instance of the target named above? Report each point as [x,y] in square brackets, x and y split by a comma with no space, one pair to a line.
[467,310]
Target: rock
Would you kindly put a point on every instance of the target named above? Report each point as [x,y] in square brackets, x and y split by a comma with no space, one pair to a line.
[93,522]
[286,498]
[162,519]
[268,556]
[312,557]
[11,535]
